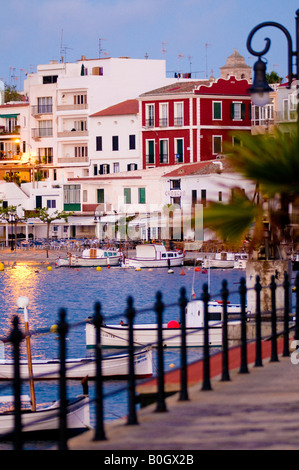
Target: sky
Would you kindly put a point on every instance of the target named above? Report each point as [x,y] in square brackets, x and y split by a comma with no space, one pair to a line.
[190,35]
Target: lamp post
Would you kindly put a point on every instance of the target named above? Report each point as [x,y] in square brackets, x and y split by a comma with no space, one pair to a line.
[11,220]
[260,88]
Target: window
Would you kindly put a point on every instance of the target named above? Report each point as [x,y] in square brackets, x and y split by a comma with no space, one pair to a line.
[51,204]
[71,193]
[175,184]
[44,105]
[217,110]
[100,196]
[194,197]
[50,79]
[99,143]
[116,167]
[178,114]
[132,166]
[150,115]
[95,170]
[84,195]
[217,144]
[45,128]
[163,151]
[104,169]
[204,197]
[237,111]
[80,99]
[127,195]
[81,151]
[141,195]
[45,155]
[163,116]
[80,125]
[220,196]
[179,152]
[115,142]
[150,151]
[132,142]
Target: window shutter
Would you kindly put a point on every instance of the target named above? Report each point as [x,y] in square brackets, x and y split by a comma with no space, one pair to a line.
[243,111]
[232,111]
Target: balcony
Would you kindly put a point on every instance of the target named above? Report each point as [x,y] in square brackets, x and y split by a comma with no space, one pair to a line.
[178,121]
[72,133]
[163,122]
[150,122]
[37,133]
[72,107]
[72,160]
[42,109]
[150,159]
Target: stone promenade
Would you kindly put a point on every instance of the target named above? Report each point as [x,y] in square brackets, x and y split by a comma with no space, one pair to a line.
[258,410]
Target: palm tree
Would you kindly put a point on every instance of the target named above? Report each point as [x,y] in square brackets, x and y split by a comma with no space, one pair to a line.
[272,162]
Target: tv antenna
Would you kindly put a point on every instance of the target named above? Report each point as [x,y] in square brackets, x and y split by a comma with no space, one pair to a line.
[101,50]
[63,49]
[206,46]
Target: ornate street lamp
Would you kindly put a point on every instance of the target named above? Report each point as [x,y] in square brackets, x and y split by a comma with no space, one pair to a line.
[260,88]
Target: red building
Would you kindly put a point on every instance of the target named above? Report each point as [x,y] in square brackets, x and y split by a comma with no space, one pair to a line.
[189,121]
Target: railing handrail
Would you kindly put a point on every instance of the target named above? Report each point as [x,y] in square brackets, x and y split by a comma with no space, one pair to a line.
[16,337]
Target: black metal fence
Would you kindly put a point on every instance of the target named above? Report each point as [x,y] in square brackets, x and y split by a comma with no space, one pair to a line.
[288,317]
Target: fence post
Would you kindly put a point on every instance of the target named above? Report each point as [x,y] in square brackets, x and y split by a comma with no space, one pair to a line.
[206,385]
[62,332]
[286,285]
[296,336]
[130,313]
[159,307]
[258,331]
[225,368]
[98,322]
[184,380]
[274,357]
[243,290]
[15,338]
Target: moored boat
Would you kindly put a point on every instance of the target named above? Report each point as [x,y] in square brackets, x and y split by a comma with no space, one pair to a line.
[113,366]
[226,260]
[154,256]
[91,257]
[45,419]
[116,336]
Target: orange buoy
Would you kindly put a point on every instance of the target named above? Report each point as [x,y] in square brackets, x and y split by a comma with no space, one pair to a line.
[197,269]
[182,273]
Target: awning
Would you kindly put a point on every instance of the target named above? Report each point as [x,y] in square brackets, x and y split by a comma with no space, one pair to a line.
[9,116]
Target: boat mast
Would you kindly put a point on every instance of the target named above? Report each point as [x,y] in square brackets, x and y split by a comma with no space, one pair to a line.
[22,303]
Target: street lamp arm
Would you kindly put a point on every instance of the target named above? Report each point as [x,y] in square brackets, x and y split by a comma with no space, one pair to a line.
[268,43]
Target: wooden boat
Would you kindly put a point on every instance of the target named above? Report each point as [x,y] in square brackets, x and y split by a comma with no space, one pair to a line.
[113,366]
[116,336]
[154,256]
[46,419]
[91,257]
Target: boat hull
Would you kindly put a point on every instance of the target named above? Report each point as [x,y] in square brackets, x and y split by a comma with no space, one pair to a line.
[147,334]
[46,420]
[79,262]
[113,366]
[155,263]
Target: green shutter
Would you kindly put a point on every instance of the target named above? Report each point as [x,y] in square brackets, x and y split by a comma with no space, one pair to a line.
[141,195]
[151,151]
[232,111]
[127,195]
[217,110]
[100,196]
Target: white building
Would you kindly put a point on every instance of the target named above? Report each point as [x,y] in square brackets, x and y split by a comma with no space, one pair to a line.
[64,96]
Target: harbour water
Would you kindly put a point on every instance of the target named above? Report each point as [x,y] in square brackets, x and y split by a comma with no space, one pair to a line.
[77,290]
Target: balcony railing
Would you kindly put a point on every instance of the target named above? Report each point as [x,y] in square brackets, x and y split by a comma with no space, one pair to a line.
[42,109]
[72,160]
[150,122]
[150,159]
[42,132]
[73,133]
[164,158]
[178,121]
[163,122]
[71,107]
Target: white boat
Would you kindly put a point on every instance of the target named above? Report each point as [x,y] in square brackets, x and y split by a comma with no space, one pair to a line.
[225,260]
[91,257]
[113,366]
[116,336]
[154,256]
[46,419]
